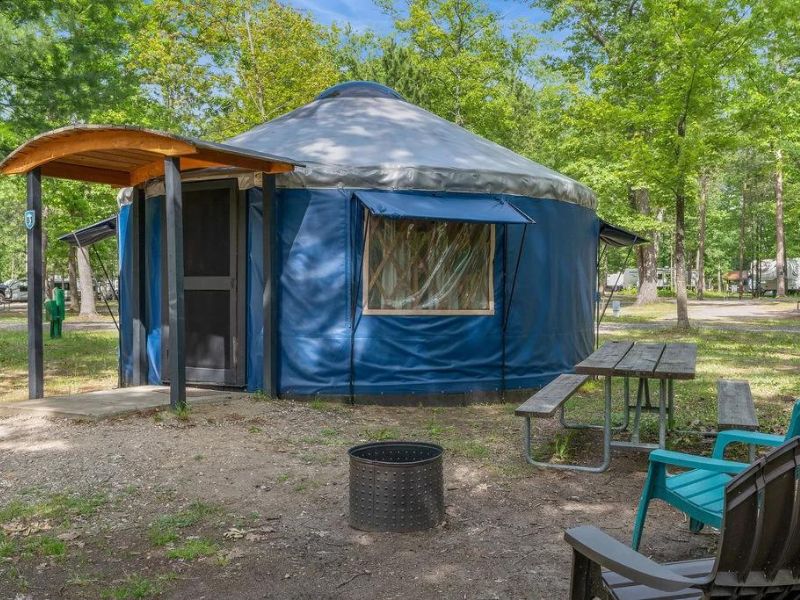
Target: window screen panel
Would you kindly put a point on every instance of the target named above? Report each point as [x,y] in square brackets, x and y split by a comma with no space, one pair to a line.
[417,266]
[206,233]
[208,329]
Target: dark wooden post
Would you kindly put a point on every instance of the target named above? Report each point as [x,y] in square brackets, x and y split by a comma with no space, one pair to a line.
[35,288]
[138,281]
[270,299]
[177,334]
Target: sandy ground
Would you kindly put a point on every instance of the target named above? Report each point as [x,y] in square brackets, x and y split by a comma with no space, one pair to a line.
[278,474]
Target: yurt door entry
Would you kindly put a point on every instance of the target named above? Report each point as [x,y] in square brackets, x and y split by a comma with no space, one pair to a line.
[214,283]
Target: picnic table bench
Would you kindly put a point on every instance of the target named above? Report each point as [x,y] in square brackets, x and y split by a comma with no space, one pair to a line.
[547,400]
[545,403]
[735,408]
[645,361]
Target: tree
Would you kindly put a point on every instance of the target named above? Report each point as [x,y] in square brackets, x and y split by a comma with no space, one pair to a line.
[667,65]
[86,284]
[701,235]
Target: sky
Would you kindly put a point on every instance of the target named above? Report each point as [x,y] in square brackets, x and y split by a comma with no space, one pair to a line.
[364,14]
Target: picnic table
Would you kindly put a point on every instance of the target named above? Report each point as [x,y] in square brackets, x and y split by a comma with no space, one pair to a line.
[645,361]
[661,362]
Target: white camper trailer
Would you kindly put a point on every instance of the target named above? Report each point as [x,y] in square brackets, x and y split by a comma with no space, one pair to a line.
[765,274]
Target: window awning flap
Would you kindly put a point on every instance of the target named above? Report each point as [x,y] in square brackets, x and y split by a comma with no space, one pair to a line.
[91,234]
[452,207]
[619,237]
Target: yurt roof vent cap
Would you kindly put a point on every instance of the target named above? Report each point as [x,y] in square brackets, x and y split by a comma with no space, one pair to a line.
[359,89]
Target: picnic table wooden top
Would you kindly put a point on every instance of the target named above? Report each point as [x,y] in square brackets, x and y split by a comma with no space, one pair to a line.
[642,359]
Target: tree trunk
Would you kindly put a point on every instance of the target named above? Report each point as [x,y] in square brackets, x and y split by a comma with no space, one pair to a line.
[701,237]
[645,253]
[88,307]
[741,243]
[680,259]
[72,266]
[780,240]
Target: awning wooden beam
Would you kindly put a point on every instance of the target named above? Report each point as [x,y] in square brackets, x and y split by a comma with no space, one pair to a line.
[128,156]
[92,140]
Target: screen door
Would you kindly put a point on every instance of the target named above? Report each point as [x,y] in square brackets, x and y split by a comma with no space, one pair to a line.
[212,237]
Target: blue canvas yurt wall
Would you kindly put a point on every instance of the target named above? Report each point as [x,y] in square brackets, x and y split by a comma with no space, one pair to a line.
[360,140]
[548,329]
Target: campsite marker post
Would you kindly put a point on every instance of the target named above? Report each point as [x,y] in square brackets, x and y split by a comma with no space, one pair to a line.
[35,283]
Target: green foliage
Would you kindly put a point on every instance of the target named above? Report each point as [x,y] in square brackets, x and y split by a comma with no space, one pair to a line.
[640,94]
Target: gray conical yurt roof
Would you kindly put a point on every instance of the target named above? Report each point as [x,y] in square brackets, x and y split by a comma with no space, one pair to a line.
[366,136]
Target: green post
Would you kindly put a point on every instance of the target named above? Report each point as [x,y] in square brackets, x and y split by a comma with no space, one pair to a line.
[56,311]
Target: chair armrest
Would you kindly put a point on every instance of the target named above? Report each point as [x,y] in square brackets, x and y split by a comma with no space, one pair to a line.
[755,438]
[690,461]
[602,549]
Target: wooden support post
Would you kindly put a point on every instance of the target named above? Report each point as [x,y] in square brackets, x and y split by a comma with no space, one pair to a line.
[177,333]
[139,283]
[270,287]
[35,286]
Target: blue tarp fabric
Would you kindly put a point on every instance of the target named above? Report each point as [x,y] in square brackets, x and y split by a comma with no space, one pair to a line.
[319,254]
[154,211]
[467,208]
[126,292]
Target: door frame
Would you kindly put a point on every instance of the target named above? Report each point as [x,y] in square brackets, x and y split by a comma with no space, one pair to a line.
[235,376]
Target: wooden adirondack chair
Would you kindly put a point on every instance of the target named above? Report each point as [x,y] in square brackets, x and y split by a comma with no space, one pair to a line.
[699,491]
[758,554]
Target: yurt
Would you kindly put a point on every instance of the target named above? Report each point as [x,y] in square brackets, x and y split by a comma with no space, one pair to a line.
[413,261]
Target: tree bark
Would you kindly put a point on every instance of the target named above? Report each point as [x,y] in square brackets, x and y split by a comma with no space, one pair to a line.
[88,307]
[680,258]
[645,253]
[741,242]
[780,239]
[72,266]
[701,237]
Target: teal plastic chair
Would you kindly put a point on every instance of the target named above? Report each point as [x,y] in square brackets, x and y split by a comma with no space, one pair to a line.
[699,491]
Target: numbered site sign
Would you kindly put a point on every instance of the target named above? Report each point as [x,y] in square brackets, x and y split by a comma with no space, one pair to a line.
[30,219]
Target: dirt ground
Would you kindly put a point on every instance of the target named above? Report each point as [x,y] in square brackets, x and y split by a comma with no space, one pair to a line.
[257,492]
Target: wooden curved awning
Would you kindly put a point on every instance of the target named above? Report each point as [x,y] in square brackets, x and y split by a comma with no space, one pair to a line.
[126,156]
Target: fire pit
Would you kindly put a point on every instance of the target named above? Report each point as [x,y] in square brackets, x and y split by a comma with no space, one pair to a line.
[396,486]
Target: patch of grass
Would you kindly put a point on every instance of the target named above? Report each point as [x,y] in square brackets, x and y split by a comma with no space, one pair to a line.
[44,545]
[381,434]
[282,478]
[259,396]
[137,587]
[80,361]
[158,417]
[328,432]
[57,507]
[435,430]
[182,413]
[255,429]
[193,549]
[324,405]
[468,448]
[8,547]
[164,530]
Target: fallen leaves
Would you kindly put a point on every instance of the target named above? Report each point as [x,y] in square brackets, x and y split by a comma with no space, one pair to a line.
[251,534]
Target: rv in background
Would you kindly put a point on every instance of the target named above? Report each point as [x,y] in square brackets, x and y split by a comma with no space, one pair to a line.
[765,275]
